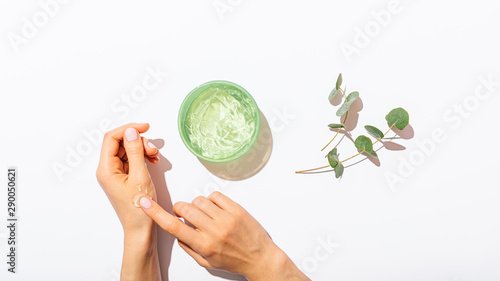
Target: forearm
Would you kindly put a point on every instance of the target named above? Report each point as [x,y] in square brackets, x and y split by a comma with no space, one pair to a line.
[140,256]
[279,267]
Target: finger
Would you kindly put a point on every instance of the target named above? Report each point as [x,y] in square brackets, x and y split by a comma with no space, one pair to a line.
[149,148]
[207,206]
[135,153]
[125,167]
[153,160]
[169,223]
[150,153]
[191,213]
[223,201]
[111,141]
[197,257]
[121,152]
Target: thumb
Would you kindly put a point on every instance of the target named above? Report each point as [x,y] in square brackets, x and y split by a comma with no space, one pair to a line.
[135,153]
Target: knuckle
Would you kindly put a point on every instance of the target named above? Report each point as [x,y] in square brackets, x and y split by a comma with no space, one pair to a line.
[215,194]
[208,250]
[232,221]
[186,210]
[107,135]
[238,213]
[199,201]
[178,207]
[174,227]
[134,148]
[224,235]
[100,174]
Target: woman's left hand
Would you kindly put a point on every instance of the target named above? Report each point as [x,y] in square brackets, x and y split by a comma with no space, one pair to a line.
[122,173]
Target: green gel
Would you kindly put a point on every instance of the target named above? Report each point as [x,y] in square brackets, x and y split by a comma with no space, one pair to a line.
[220,123]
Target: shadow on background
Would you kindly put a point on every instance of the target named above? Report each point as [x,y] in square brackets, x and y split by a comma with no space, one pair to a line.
[353,115]
[165,240]
[405,134]
[227,275]
[249,164]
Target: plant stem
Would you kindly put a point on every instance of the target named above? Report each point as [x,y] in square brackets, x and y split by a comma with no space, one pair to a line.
[352,156]
[303,171]
[343,92]
[385,134]
[331,140]
[372,144]
[343,123]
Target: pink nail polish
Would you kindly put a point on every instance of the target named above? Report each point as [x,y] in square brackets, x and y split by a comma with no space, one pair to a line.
[151,145]
[145,203]
[131,134]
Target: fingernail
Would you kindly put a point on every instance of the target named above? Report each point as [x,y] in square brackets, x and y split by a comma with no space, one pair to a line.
[145,203]
[150,144]
[131,134]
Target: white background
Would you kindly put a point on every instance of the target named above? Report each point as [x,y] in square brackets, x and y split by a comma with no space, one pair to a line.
[439,222]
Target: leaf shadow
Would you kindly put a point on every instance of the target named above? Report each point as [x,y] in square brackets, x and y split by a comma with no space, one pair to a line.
[407,133]
[353,115]
[390,145]
[338,99]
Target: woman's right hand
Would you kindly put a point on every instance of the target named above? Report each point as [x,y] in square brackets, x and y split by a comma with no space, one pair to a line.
[225,237]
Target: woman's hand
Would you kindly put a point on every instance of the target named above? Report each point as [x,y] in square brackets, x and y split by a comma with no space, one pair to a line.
[122,174]
[225,237]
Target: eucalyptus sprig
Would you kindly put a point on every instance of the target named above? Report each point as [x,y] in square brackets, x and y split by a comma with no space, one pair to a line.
[397,117]
[344,109]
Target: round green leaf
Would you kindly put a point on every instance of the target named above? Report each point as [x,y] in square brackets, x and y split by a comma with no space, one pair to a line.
[333,94]
[339,81]
[336,126]
[333,158]
[398,117]
[374,132]
[339,170]
[364,143]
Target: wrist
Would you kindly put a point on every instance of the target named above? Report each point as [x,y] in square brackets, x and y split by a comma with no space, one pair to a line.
[140,256]
[274,265]
[140,240]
